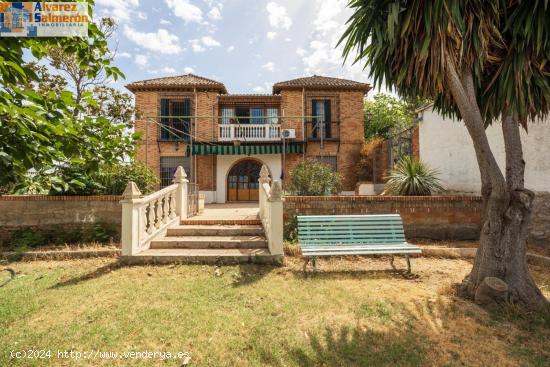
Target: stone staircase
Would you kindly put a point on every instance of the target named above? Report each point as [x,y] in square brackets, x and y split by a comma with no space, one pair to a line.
[210,241]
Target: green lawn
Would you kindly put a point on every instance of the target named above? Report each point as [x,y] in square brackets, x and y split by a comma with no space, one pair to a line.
[352,313]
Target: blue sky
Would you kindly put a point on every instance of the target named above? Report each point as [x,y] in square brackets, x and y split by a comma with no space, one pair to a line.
[246,44]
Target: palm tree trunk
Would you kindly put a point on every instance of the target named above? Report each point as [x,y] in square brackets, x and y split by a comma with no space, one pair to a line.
[507,204]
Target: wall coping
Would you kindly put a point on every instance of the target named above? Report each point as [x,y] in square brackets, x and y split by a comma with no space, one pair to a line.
[441,198]
[60,198]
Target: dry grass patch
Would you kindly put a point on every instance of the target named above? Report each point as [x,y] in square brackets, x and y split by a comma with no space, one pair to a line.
[353,312]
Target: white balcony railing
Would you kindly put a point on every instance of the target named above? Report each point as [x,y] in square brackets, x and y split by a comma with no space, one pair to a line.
[249,132]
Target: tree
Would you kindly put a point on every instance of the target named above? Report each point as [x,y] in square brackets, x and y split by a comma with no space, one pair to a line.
[483,62]
[386,115]
[38,128]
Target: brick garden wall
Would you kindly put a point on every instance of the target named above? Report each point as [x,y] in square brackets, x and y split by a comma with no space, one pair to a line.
[42,212]
[449,217]
[435,217]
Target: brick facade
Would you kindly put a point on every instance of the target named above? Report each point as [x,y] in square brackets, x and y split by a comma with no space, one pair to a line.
[294,105]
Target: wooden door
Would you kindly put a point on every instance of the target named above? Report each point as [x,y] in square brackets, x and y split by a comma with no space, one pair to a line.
[242,181]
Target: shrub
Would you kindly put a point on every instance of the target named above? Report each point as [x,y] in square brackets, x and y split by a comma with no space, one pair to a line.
[290,229]
[312,178]
[412,177]
[116,178]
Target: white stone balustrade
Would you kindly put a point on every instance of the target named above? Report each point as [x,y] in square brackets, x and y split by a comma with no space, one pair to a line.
[271,211]
[249,132]
[146,218]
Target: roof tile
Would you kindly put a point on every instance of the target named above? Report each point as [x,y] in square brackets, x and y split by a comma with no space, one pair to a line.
[178,81]
[324,82]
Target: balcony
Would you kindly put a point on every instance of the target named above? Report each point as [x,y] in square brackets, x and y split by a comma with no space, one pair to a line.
[249,132]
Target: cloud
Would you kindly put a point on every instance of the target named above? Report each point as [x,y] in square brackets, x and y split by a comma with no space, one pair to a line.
[123,11]
[162,41]
[188,70]
[328,11]
[168,70]
[270,66]
[141,60]
[166,22]
[185,10]
[215,13]
[258,89]
[321,56]
[231,48]
[123,55]
[271,35]
[204,43]
[278,17]
[210,42]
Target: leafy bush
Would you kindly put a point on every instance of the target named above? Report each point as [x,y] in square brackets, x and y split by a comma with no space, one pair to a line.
[73,179]
[412,177]
[312,178]
[115,179]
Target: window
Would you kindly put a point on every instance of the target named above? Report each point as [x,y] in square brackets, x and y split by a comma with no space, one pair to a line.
[175,119]
[331,161]
[272,116]
[322,118]
[257,115]
[228,115]
[168,166]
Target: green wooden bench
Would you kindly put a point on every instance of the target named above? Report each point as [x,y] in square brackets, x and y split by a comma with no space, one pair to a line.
[335,235]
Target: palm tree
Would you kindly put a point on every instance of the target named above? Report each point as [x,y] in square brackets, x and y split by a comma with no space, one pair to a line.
[482,61]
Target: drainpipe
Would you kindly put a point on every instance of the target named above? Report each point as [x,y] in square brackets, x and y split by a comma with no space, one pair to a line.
[303,122]
[193,130]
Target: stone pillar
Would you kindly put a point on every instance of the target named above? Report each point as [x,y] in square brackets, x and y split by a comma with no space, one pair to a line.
[180,178]
[264,178]
[276,219]
[130,220]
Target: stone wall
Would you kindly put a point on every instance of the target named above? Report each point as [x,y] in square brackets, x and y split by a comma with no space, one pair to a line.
[40,212]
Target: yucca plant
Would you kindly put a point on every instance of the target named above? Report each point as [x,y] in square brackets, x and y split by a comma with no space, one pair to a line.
[412,177]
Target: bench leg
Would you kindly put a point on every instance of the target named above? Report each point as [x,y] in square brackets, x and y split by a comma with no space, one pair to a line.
[391,262]
[408,264]
[313,260]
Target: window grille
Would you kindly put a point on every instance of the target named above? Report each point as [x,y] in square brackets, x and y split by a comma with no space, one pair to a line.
[168,166]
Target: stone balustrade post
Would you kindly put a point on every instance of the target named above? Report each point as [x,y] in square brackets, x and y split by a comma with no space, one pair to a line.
[180,178]
[264,178]
[275,207]
[130,220]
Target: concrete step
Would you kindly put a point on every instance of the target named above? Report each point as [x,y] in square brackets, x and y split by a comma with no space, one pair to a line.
[209,242]
[205,256]
[226,222]
[215,230]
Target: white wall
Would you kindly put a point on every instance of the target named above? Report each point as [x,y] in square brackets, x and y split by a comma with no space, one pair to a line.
[446,146]
[225,162]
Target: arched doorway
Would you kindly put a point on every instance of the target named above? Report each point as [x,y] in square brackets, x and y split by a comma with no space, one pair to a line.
[242,181]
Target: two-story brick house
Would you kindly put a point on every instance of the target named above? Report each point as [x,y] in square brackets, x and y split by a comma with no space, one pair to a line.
[223,139]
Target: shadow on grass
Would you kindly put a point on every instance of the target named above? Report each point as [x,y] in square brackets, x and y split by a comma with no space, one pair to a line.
[360,347]
[99,272]
[355,274]
[252,273]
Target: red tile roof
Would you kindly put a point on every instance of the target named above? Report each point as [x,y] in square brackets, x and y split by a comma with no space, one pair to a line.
[320,82]
[177,82]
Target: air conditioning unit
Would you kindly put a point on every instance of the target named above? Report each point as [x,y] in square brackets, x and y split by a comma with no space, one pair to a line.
[288,134]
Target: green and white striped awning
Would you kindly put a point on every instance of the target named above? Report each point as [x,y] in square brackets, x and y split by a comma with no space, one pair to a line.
[203,149]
